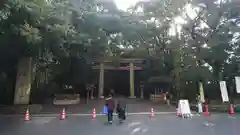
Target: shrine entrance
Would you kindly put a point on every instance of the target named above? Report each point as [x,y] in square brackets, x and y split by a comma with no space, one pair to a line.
[118,80]
[121,78]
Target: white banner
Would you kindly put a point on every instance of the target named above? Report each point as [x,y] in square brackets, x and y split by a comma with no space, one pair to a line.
[223,88]
[201,91]
[237,80]
[183,107]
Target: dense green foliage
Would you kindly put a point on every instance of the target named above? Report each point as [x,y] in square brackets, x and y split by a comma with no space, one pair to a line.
[187,41]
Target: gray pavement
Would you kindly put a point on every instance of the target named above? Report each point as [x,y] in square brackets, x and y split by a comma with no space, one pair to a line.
[164,124]
[134,106]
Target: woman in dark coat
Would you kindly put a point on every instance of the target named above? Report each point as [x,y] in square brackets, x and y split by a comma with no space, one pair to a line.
[110,106]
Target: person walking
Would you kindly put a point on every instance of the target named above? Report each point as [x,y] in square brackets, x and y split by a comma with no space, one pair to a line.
[168,96]
[121,110]
[110,104]
[199,102]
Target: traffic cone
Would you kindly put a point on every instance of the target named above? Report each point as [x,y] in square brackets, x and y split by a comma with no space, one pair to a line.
[179,113]
[152,113]
[63,114]
[27,116]
[94,114]
[206,112]
[231,110]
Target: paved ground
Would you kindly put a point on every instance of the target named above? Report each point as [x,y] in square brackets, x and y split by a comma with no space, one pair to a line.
[134,106]
[166,124]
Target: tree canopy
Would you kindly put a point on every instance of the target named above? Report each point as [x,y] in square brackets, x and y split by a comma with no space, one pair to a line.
[188,41]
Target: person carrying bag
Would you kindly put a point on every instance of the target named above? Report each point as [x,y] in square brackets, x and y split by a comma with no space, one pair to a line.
[110,108]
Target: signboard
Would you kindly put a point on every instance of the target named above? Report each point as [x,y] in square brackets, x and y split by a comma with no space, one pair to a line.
[183,107]
[237,80]
[224,92]
[23,81]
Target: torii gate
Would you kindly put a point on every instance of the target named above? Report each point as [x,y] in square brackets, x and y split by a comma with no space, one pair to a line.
[103,64]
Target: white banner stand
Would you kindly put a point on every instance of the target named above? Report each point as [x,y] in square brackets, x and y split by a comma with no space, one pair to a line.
[237,80]
[224,92]
[184,108]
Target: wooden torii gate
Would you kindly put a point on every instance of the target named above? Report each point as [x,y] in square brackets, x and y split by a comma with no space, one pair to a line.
[131,65]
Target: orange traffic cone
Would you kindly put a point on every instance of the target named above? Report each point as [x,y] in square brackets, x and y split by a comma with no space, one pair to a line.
[231,110]
[63,114]
[179,114]
[206,112]
[152,113]
[94,114]
[27,116]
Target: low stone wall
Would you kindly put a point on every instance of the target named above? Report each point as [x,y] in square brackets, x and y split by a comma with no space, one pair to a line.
[157,98]
[66,99]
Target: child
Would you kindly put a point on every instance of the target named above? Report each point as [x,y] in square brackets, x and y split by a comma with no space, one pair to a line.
[121,110]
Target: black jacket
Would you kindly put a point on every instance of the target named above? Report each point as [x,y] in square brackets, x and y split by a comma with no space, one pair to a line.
[121,105]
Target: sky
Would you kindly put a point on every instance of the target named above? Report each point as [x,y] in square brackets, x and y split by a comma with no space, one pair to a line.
[124,4]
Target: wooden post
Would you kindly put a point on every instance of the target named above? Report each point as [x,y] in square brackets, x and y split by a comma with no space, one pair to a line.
[101,81]
[132,92]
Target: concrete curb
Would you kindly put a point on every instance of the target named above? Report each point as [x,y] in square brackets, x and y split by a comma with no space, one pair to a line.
[82,114]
